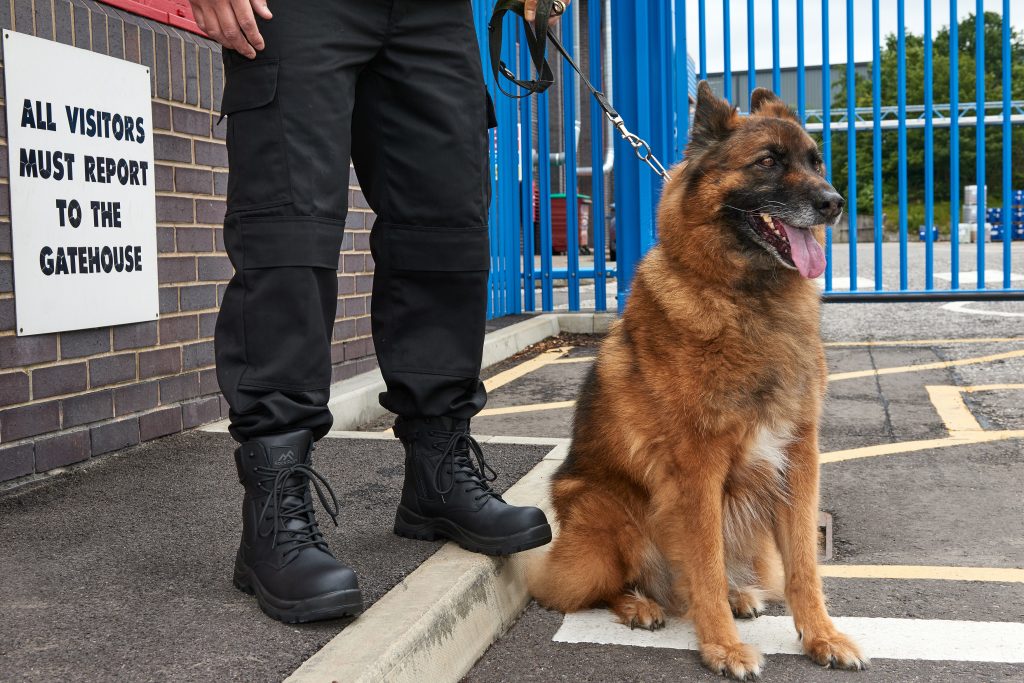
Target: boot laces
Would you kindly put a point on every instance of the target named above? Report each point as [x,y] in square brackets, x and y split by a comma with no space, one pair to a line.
[289,485]
[462,455]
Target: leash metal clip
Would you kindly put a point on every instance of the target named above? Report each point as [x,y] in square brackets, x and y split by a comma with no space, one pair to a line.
[641,147]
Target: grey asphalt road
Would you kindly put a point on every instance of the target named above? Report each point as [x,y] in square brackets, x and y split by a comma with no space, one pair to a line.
[955,506]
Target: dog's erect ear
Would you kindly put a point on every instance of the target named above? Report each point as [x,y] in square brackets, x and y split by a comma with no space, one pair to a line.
[759,97]
[713,119]
[763,102]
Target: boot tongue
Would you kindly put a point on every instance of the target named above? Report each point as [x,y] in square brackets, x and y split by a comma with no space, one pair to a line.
[808,256]
[281,458]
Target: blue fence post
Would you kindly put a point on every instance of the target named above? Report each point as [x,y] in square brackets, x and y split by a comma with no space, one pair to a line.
[597,222]
[727,47]
[1007,147]
[979,131]
[702,26]
[954,146]
[572,217]
[628,204]
[826,128]
[646,102]
[876,139]
[751,69]
[526,185]
[851,147]
[776,71]
[901,99]
[929,171]
[547,296]
[508,187]
[801,104]
[671,84]
[681,60]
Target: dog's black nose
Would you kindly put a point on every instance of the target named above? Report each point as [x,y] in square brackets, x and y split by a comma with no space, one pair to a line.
[830,204]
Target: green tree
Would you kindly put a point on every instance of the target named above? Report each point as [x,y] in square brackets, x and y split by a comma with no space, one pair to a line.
[941,137]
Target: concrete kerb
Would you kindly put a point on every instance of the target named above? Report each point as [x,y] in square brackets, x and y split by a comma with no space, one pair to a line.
[439,620]
[354,401]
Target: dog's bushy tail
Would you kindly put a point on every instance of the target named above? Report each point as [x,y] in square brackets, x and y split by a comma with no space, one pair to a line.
[548,578]
[576,573]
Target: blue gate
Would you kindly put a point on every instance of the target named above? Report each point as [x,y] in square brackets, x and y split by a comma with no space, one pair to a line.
[546,200]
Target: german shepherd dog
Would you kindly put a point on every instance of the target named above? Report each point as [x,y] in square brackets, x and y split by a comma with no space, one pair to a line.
[691,485]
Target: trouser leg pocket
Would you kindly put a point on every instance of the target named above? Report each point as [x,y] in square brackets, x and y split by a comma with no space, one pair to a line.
[429,311]
[280,315]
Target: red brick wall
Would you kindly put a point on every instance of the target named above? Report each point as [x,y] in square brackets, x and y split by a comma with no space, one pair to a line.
[70,396]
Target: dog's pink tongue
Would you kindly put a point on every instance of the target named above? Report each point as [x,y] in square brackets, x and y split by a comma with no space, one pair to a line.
[808,256]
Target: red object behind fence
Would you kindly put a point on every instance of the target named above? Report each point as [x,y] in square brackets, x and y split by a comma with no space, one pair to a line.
[559,230]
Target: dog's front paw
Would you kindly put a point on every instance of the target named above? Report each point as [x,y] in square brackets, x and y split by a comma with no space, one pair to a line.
[739,660]
[835,651]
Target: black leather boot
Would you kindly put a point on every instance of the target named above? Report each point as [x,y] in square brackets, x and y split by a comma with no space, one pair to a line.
[448,495]
[283,558]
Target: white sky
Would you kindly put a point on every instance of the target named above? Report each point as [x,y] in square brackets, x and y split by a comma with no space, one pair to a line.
[914,13]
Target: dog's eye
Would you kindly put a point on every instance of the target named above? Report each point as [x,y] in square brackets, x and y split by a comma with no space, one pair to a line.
[767,162]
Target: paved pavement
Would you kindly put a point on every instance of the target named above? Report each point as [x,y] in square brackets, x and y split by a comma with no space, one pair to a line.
[121,571]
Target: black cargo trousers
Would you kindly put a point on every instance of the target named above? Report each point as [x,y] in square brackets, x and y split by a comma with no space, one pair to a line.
[397,86]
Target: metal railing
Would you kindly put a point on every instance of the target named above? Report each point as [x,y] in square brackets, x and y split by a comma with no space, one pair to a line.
[651,80]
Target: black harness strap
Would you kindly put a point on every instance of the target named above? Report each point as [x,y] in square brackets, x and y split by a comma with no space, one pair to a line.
[535,41]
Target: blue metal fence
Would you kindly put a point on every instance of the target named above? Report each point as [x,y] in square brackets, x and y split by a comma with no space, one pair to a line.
[639,54]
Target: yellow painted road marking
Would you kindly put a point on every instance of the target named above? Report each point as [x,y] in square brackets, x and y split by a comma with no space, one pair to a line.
[927,342]
[949,404]
[955,415]
[873,571]
[947,400]
[514,373]
[961,439]
[926,366]
[524,368]
[509,410]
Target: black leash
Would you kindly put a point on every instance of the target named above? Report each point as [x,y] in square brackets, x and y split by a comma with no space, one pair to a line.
[536,38]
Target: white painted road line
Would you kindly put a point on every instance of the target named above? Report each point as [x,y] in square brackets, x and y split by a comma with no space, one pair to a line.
[961,307]
[879,638]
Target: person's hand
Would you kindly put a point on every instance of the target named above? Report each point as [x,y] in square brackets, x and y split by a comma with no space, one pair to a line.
[232,23]
[530,10]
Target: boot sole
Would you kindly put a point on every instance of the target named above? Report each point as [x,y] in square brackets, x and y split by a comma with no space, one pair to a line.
[408,524]
[334,605]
